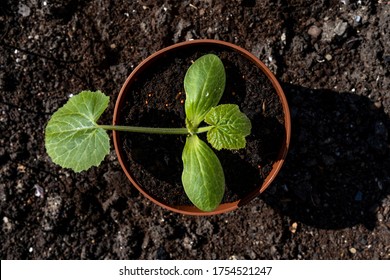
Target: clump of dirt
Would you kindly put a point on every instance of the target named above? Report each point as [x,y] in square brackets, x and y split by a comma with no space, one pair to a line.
[331,200]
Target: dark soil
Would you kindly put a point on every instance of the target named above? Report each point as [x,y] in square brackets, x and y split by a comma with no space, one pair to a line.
[332,197]
[156,99]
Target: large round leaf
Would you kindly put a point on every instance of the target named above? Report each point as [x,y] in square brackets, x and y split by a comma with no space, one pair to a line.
[72,137]
[204,84]
[203,179]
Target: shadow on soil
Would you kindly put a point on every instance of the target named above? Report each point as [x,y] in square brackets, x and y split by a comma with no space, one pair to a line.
[337,169]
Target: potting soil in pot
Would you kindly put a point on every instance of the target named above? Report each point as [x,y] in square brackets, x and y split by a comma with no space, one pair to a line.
[157,99]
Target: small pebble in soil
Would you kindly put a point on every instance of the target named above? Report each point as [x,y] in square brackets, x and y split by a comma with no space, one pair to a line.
[283,38]
[39,192]
[21,168]
[352,250]
[328,57]
[358,19]
[24,10]
[314,31]
[293,227]
[187,243]
[341,28]
[378,104]
[7,225]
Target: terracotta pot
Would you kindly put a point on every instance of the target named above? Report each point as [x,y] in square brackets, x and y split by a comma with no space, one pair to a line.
[224,207]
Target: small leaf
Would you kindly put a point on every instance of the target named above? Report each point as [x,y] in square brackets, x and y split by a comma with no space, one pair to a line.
[202,178]
[204,84]
[72,137]
[231,126]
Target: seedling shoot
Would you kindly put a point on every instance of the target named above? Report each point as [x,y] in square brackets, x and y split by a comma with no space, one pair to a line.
[75,140]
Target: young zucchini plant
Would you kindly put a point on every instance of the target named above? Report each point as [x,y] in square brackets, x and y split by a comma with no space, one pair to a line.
[73,139]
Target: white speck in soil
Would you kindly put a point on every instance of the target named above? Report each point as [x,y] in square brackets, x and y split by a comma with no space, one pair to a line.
[358,19]
[39,192]
[19,187]
[7,225]
[283,38]
[341,28]
[24,10]
[187,243]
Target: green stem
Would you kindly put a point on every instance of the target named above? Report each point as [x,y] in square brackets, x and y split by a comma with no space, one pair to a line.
[152,130]
[204,129]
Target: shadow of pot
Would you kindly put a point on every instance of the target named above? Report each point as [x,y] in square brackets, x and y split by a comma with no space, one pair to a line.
[178,49]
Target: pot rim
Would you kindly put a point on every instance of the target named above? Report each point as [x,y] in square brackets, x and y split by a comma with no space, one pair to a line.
[224,207]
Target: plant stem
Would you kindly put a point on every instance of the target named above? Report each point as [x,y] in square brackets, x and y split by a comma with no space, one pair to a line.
[204,129]
[153,130]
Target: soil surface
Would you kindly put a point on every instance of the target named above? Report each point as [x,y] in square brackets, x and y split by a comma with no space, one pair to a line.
[331,199]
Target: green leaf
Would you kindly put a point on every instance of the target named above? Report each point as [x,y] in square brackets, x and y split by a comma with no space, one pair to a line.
[202,178]
[72,137]
[204,84]
[231,126]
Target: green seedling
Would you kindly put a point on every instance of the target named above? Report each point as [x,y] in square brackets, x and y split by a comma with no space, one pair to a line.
[73,139]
